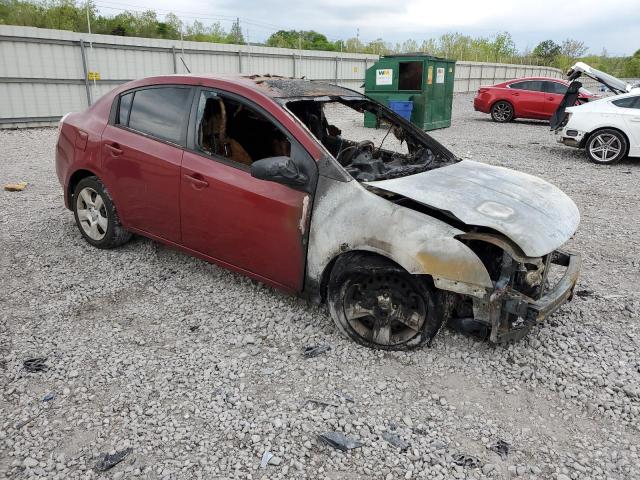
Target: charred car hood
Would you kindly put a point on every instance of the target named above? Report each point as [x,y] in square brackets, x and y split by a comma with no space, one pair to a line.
[534,214]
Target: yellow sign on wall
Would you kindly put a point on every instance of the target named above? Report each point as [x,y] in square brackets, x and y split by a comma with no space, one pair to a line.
[93,75]
[430,75]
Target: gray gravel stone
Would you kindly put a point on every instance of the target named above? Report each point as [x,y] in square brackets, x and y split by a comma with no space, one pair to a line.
[115,328]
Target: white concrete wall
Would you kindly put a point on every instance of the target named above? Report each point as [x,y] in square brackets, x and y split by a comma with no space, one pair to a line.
[42,75]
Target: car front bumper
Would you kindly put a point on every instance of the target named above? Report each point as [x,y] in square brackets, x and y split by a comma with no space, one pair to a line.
[506,303]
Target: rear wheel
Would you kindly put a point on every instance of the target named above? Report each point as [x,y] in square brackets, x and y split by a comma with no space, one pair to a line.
[606,147]
[502,112]
[380,305]
[96,215]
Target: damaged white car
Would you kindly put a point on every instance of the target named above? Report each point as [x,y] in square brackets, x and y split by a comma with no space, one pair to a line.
[609,128]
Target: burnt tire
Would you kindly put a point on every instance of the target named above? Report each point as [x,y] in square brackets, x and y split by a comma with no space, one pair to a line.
[380,305]
[606,146]
[502,112]
[96,215]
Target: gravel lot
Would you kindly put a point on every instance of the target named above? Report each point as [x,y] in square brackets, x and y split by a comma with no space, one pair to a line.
[200,371]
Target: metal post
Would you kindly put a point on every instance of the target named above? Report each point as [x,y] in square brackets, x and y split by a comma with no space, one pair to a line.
[86,73]
[239,61]
[175,63]
[336,75]
[293,60]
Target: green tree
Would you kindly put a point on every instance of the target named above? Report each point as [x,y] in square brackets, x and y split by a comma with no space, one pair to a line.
[547,51]
[235,34]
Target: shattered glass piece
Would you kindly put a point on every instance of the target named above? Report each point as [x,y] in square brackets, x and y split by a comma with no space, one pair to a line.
[347,397]
[106,461]
[466,460]
[48,397]
[501,448]
[311,351]
[33,365]
[340,441]
[396,440]
[266,456]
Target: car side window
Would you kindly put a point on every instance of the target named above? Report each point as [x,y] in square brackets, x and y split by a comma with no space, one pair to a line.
[124,108]
[531,85]
[229,129]
[555,87]
[161,112]
[629,102]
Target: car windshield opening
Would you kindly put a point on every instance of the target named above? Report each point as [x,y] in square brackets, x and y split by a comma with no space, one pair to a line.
[392,150]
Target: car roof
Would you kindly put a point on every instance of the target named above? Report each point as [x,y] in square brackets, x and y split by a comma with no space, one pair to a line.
[274,86]
[559,80]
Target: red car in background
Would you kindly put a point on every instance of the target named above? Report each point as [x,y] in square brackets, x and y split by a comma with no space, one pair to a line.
[532,97]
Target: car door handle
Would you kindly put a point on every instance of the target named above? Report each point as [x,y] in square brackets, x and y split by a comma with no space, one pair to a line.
[635,119]
[114,149]
[196,180]
[515,94]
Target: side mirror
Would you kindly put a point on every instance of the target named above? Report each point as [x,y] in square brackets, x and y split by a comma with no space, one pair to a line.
[280,170]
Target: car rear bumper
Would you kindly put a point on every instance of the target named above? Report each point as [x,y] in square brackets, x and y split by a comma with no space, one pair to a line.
[480,106]
[571,137]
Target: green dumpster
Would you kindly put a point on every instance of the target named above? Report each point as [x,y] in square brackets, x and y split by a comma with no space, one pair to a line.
[425,80]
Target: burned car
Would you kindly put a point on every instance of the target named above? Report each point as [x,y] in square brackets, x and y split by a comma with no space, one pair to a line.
[393,231]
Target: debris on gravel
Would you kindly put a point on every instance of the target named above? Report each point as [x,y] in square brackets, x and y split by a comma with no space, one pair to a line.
[311,351]
[107,461]
[340,441]
[128,370]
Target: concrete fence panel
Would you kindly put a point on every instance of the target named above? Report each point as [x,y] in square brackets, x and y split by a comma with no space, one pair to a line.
[47,73]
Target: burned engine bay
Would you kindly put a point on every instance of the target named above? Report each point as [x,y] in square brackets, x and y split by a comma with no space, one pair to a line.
[364,160]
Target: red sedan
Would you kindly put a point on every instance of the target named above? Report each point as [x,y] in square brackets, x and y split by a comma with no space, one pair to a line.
[533,97]
[252,173]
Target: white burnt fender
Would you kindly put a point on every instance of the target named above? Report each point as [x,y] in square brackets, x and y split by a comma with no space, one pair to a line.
[346,216]
[534,214]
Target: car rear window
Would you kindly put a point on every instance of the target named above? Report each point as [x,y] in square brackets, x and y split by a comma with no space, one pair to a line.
[161,112]
[629,102]
[533,85]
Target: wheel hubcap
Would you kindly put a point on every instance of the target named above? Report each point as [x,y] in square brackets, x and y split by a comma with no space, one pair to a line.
[384,309]
[605,147]
[502,111]
[92,213]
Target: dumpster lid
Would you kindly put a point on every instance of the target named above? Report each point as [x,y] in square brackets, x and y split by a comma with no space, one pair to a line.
[417,54]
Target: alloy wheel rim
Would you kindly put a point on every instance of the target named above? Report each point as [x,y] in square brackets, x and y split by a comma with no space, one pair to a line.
[92,213]
[605,147]
[384,309]
[502,111]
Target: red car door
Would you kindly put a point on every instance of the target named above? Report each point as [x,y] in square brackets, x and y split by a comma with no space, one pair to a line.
[142,156]
[528,99]
[554,93]
[251,225]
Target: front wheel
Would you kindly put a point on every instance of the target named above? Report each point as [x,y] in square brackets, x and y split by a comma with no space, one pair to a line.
[606,147]
[502,112]
[380,305]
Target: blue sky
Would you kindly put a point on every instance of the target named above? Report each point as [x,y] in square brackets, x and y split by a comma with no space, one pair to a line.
[611,24]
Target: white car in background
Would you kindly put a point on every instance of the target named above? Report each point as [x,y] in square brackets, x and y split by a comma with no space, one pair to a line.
[608,129]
